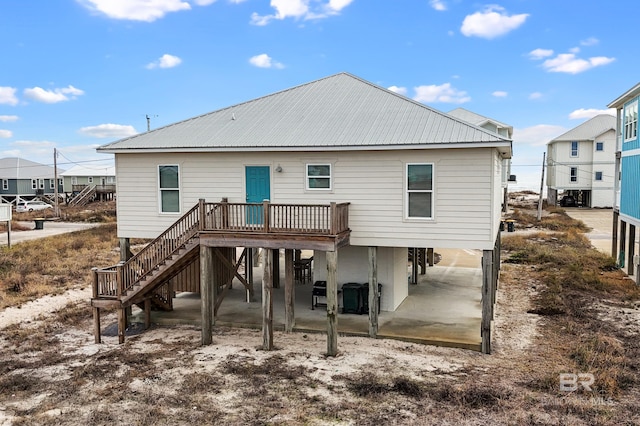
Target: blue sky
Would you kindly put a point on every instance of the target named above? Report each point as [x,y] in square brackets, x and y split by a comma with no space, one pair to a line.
[77,74]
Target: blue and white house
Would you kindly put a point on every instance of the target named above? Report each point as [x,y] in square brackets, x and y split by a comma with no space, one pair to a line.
[626,216]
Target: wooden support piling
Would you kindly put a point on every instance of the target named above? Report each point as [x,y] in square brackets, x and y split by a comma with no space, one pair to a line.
[430,257]
[267,301]
[631,250]
[147,313]
[96,325]
[275,258]
[289,292]
[122,324]
[614,235]
[623,243]
[332,303]
[373,292]
[487,300]
[207,295]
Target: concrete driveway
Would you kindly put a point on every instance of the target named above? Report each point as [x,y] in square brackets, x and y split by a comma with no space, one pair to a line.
[601,223]
[50,228]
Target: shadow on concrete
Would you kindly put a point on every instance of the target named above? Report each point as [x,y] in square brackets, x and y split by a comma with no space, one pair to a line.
[444,308]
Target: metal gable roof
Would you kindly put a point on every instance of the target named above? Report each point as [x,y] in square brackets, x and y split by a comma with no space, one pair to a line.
[589,130]
[625,97]
[19,168]
[338,112]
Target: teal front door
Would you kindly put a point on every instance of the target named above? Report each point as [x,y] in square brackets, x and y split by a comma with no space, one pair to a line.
[258,189]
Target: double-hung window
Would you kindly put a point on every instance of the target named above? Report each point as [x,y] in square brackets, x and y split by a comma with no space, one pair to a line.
[5,184]
[169,188]
[90,179]
[52,184]
[419,201]
[34,184]
[631,121]
[319,176]
[599,146]
[574,148]
[574,174]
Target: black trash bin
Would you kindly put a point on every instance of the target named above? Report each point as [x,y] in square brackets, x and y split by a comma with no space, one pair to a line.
[39,223]
[511,225]
[365,297]
[352,302]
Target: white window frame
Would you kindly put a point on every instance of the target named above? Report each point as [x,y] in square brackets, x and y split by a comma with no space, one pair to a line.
[161,190]
[598,176]
[599,146]
[630,128]
[111,179]
[574,152]
[52,184]
[60,182]
[90,179]
[5,184]
[308,177]
[74,180]
[573,174]
[40,183]
[409,191]
[34,184]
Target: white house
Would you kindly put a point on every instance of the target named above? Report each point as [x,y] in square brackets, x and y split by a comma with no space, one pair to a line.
[338,165]
[494,126]
[581,163]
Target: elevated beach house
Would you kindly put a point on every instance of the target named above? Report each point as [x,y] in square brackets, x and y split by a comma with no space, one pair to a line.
[626,209]
[341,166]
[26,180]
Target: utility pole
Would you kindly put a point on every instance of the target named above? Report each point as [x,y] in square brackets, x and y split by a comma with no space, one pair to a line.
[149,121]
[55,181]
[544,156]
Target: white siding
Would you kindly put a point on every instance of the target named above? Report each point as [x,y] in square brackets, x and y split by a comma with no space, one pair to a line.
[466,192]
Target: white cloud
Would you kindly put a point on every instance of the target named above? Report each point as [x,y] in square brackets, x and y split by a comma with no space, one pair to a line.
[570,64]
[300,9]
[399,90]
[537,135]
[438,5]
[208,2]
[443,93]
[135,10]
[5,133]
[535,95]
[500,94]
[53,96]
[591,41]
[165,61]
[264,61]
[540,53]
[108,130]
[491,23]
[8,96]
[583,113]
[8,118]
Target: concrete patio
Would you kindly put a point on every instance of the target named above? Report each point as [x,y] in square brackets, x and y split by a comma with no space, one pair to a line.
[444,308]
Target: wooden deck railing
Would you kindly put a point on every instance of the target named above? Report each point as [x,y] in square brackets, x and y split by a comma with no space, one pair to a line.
[330,220]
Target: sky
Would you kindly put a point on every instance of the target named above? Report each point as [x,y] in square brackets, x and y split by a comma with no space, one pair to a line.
[77,74]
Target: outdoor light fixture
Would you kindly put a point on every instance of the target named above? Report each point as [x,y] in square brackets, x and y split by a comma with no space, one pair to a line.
[279,169]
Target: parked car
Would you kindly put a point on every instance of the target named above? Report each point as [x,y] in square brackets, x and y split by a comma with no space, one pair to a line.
[29,206]
[568,201]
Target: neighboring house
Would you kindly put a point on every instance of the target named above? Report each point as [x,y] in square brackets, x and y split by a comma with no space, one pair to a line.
[101,180]
[26,180]
[496,127]
[581,163]
[626,209]
[338,166]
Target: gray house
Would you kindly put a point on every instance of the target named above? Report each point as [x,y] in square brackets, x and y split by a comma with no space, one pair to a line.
[26,180]
[350,170]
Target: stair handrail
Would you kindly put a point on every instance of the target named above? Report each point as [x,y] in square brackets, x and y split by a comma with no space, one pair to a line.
[84,194]
[160,249]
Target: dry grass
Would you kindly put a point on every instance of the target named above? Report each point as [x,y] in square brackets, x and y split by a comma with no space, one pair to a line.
[554,219]
[55,264]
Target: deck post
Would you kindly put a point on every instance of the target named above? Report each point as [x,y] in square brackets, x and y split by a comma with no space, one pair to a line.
[122,324]
[289,292]
[207,293]
[267,301]
[266,216]
[332,303]
[487,299]
[631,249]
[275,263]
[333,217]
[373,292]
[614,235]
[147,313]
[623,243]
[202,214]
[125,249]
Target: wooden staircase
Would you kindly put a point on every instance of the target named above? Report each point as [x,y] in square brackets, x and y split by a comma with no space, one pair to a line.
[84,196]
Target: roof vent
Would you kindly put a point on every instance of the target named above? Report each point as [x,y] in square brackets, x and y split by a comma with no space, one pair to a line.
[233,115]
